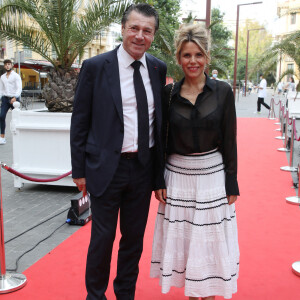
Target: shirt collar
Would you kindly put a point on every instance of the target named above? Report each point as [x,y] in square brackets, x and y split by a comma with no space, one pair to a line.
[11,73]
[209,83]
[126,59]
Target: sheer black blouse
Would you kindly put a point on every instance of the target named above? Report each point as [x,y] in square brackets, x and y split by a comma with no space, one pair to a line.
[207,125]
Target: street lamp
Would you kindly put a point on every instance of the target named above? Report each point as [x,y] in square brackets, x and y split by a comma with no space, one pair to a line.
[247,49]
[236,42]
[208,13]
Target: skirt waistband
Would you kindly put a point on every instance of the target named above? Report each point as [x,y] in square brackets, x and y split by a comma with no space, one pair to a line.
[202,153]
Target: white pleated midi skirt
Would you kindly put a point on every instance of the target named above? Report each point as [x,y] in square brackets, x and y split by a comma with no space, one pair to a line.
[195,241]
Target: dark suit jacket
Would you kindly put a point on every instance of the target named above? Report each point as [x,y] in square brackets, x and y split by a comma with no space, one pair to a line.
[97,127]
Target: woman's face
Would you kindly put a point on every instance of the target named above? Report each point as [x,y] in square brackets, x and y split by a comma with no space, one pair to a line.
[192,60]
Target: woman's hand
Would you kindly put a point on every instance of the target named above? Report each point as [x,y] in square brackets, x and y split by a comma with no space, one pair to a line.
[161,195]
[231,199]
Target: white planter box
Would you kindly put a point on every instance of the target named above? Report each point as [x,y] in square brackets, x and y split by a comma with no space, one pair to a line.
[294,104]
[41,145]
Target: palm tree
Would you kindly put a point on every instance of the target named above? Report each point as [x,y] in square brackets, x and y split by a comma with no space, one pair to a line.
[164,49]
[63,27]
[288,46]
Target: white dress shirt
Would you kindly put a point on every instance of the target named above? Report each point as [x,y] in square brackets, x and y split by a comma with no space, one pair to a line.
[130,142]
[262,93]
[11,86]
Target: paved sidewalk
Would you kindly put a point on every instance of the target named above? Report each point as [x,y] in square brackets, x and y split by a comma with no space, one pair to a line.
[28,207]
[35,203]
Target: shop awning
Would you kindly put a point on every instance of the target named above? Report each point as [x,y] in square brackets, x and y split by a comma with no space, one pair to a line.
[39,65]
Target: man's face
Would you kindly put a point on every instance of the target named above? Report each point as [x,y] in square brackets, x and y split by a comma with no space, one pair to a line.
[138,34]
[8,66]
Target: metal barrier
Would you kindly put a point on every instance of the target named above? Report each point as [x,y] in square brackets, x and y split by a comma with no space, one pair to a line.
[272,115]
[295,199]
[281,119]
[296,268]
[290,168]
[10,282]
[285,149]
[279,113]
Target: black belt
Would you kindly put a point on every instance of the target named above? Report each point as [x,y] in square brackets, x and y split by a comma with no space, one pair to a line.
[132,155]
[129,155]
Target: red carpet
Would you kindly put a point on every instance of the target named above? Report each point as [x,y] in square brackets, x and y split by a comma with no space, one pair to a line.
[269,235]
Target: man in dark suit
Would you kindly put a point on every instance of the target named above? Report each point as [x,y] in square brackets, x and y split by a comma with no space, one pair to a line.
[116,148]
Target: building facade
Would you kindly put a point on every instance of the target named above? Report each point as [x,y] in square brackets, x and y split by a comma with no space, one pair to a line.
[288,12]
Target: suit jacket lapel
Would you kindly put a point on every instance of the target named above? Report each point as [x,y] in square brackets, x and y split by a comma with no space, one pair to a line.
[156,87]
[112,70]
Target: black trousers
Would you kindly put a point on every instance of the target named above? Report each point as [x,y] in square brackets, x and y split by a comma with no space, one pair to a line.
[5,106]
[129,193]
[260,101]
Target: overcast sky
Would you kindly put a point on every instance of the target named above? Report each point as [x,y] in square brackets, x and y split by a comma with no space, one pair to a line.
[265,13]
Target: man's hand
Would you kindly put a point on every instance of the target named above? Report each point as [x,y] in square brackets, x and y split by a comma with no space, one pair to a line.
[231,199]
[81,184]
[161,195]
[12,100]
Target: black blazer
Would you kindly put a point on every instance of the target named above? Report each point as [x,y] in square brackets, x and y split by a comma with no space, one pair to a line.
[97,127]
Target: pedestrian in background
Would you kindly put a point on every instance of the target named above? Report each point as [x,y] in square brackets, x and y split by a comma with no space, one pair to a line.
[279,87]
[214,74]
[250,86]
[291,86]
[262,94]
[10,91]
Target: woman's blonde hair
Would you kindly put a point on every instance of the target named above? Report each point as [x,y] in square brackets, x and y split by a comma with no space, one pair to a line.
[195,33]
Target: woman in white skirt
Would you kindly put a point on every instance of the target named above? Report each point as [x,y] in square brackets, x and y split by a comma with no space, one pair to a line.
[195,241]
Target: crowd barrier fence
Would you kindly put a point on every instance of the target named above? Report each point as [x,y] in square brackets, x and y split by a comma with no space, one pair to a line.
[11,281]
[284,118]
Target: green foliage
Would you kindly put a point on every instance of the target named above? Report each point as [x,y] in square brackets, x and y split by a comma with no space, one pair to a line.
[259,41]
[163,44]
[219,33]
[287,46]
[65,26]
[168,11]
[221,53]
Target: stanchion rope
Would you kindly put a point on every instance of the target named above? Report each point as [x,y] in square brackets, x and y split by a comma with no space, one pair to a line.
[7,168]
[295,132]
[279,101]
[283,111]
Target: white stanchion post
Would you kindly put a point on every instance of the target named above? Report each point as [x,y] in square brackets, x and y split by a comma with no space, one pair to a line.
[295,199]
[272,111]
[281,118]
[278,129]
[296,268]
[9,282]
[279,113]
[290,168]
[285,149]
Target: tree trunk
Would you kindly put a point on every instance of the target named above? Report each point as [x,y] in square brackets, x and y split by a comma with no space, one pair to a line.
[60,89]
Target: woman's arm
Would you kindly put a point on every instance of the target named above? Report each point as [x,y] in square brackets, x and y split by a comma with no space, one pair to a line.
[229,146]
